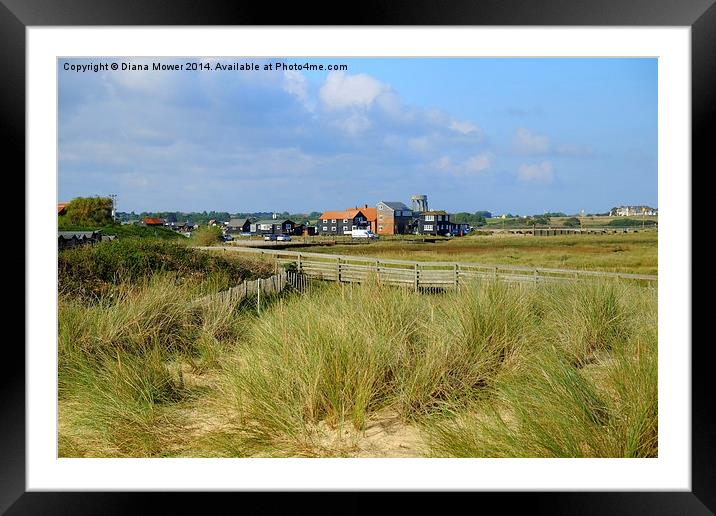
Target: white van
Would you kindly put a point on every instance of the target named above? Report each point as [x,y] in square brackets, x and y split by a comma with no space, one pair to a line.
[363,233]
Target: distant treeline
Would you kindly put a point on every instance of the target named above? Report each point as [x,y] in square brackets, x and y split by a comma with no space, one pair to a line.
[220,216]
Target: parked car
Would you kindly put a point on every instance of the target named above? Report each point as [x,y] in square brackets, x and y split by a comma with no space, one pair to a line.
[285,238]
[245,233]
[227,238]
[363,233]
[270,237]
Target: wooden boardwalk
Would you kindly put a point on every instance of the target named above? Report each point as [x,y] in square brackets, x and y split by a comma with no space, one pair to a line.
[419,275]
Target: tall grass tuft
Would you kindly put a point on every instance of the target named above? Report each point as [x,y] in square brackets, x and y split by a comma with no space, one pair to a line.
[119,365]
[556,406]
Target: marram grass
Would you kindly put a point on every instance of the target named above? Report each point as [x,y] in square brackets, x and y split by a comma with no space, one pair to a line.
[491,370]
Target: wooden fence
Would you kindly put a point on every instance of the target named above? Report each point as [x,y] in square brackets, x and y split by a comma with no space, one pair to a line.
[425,274]
[258,287]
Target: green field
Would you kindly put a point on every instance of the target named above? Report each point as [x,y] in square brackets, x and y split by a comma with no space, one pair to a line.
[621,252]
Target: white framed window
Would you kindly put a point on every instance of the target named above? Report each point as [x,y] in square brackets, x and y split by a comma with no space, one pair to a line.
[353,227]
[325,221]
[430,218]
[333,221]
[380,217]
[428,227]
[345,221]
[325,228]
[380,227]
[333,228]
[345,229]
[380,206]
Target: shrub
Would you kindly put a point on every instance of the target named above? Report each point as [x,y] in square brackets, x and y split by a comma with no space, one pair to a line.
[206,236]
[94,271]
[621,222]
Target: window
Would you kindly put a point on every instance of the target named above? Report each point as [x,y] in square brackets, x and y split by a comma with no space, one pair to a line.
[380,206]
[380,217]
[428,227]
[353,227]
[397,213]
[333,220]
[380,227]
[325,221]
[325,228]
[345,221]
[429,218]
[345,229]
[333,228]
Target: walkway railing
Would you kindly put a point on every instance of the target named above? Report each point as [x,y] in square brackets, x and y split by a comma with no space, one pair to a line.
[346,268]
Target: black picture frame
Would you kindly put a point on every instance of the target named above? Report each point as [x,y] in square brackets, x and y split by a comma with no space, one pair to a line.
[700,15]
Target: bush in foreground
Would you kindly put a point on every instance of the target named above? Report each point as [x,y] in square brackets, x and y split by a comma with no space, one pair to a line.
[96,270]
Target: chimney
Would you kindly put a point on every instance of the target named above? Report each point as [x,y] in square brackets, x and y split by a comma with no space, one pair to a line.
[365,206]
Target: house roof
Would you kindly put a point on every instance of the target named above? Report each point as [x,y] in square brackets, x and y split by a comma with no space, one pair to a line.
[346,214]
[69,235]
[395,205]
[237,222]
[153,221]
[61,206]
[272,221]
[435,212]
[370,213]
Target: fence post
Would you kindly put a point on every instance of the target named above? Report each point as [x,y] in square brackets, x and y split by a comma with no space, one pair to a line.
[536,276]
[455,272]
[299,262]
[258,296]
[417,274]
[494,272]
[377,270]
[338,269]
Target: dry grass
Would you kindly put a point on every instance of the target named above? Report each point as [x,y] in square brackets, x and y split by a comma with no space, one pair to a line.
[495,369]
[628,252]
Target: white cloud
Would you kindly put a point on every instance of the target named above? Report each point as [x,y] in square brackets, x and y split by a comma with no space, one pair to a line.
[527,142]
[537,173]
[472,165]
[444,163]
[479,162]
[355,124]
[295,83]
[342,91]
[464,127]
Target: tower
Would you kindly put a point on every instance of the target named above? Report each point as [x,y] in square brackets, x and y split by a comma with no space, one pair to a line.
[419,202]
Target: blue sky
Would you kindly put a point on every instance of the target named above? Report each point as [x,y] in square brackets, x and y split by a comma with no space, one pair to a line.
[505,135]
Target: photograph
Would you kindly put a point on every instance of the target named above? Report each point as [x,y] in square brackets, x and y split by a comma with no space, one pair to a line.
[357,257]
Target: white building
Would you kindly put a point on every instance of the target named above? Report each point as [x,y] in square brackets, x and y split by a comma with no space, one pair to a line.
[631,211]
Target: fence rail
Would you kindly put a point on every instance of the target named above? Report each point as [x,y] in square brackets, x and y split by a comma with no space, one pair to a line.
[345,268]
[258,287]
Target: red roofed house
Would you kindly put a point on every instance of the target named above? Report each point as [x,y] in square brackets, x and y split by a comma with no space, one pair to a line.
[341,222]
[371,215]
[62,208]
[153,221]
